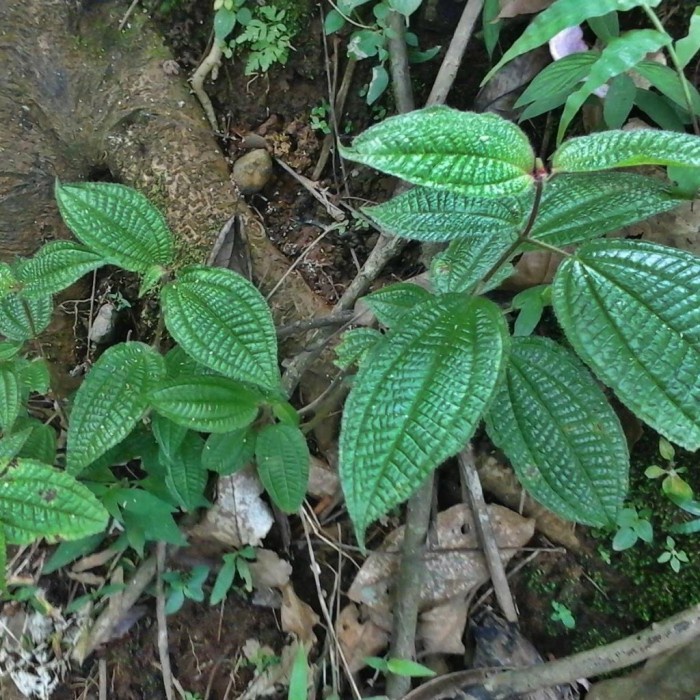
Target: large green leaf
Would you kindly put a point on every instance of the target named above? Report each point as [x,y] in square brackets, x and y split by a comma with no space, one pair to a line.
[558,16]
[619,149]
[621,54]
[417,399]
[10,396]
[111,401]
[689,45]
[209,404]
[631,310]
[37,500]
[282,457]
[424,214]
[467,260]
[390,303]
[465,152]
[54,267]
[185,476]
[354,346]
[562,437]
[226,453]
[117,222]
[22,318]
[223,322]
[41,441]
[579,206]
[667,82]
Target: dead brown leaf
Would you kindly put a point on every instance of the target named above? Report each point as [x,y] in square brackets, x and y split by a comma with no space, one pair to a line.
[268,570]
[358,639]
[441,628]
[297,617]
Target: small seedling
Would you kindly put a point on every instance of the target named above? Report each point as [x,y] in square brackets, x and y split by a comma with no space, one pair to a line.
[235,564]
[181,586]
[561,613]
[675,558]
[673,485]
[632,526]
[318,119]
[94,596]
[399,667]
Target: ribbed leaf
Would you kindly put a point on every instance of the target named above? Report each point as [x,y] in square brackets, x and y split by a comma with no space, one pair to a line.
[9,349]
[179,363]
[39,501]
[354,346]
[22,318]
[558,16]
[562,437]
[55,266]
[631,310]
[10,445]
[209,404]
[465,262]
[168,434]
[417,399]
[619,149]
[223,322]
[579,207]
[34,375]
[282,457]
[117,222]
[621,54]
[423,214]
[8,281]
[10,396]
[185,476]
[41,441]
[226,453]
[3,560]
[465,152]
[390,303]
[111,401]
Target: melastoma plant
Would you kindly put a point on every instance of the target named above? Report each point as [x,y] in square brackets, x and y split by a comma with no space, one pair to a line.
[629,310]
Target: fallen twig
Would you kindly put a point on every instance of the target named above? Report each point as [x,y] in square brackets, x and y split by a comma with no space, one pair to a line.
[163,652]
[127,14]
[470,480]
[210,64]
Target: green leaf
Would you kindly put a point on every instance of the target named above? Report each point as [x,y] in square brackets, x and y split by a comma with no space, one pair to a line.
[333,22]
[118,223]
[150,513]
[406,667]
[378,84]
[282,457]
[620,149]
[531,303]
[226,453]
[666,450]
[621,54]
[467,260]
[8,281]
[224,22]
[223,322]
[686,181]
[491,28]
[54,267]
[667,82]
[390,303]
[224,579]
[185,476]
[660,110]
[688,46]
[299,676]
[209,404]
[423,214]
[10,445]
[465,152]
[3,560]
[560,434]
[41,442]
[619,101]
[151,277]
[558,16]
[22,318]
[178,363]
[354,346]
[10,396]
[417,399]
[39,501]
[168,434]
[67,552]
[35,375]
[654,472]
[579,207]
[624,538]
[9,349]
[111,401]
[606,27]
[673,485]
[629,309]
[405,7]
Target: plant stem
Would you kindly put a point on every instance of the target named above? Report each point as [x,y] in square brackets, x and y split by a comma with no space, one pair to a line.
[653,18]
[550,248]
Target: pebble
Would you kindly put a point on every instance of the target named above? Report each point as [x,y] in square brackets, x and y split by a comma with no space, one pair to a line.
[252,171]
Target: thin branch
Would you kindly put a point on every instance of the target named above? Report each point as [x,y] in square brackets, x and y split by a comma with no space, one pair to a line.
[163,652]
[210,64]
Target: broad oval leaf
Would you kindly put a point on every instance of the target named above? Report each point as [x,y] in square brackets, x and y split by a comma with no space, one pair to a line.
[168,434]
[223,322]
[557,17]
[666,81]
[631,310]
[22,318]
[465,152]
[390,303]
[282,456]
[423,214]
[9,349]
[37,500]
[226,453]
[111,401]
[619,149]
[621,54]
[416,400]
[354,346]
[185,476]
[10,396]
[209,404]
[117,222]
[579,206]
[560,434]
[54,267]
[41,442]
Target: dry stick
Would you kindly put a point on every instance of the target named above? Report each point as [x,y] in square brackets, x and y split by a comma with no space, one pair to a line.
[163,653]
[470,479]
[654,640]
[127,16]
[102,670]
[210,64]
[455,52]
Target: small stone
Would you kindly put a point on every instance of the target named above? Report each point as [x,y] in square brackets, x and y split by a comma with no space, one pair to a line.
[252,171]
[103,326]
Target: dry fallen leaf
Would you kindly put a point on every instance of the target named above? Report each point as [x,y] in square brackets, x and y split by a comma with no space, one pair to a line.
[441,628]
[268,570]
[297,617]
[357,639]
